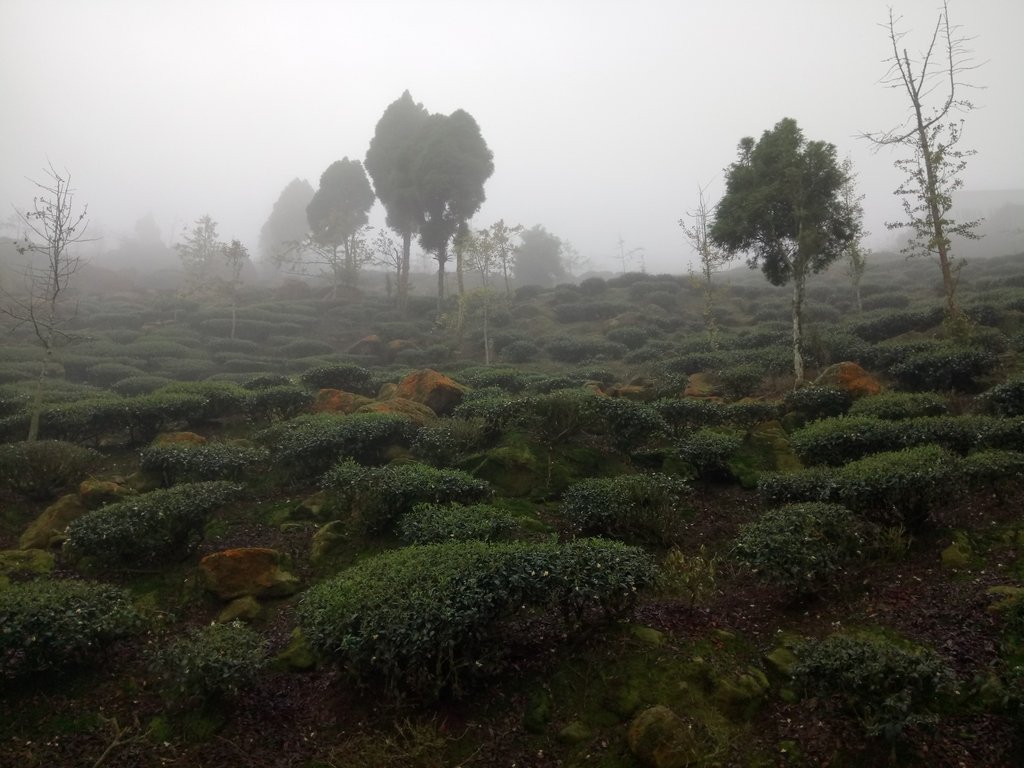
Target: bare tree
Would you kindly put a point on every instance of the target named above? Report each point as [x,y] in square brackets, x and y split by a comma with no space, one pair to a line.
[712,258]
[856,254]
[934,85]
[625,255]
[236,256]
[50,228]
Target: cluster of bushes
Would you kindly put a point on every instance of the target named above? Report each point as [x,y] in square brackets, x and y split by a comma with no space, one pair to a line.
[708,452]
[48,624]
[188,462]
[567,349]
[378,496]
[647,507]
[685,414]
[152,528]
[44,468]
[437,523]
[428,619]
[212,662]
[345,376]
[900,405]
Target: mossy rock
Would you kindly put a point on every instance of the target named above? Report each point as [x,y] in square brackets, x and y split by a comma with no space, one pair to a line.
[647,635]
[538,712]
[328,541]
[659,738]
[48,529]
[314,507]
[25,562]
[511,469]
[781,661]
[575,732]
[765,449]
[740,697]
[245,608]
[297,656]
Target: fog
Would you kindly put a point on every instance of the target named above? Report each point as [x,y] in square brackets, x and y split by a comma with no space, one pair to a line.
[604,117]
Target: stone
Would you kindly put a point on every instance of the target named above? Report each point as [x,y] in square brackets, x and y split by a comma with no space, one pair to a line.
[575,732]
[96,493]
[417,412]
[327,541]
[538,712]
[368,345]
[170,438]
[659,738]
[311,507]
[740,697]
[48,529]
[700,385]
[957,556]
[241,609]
[647,635]
[25,561]
[434,390]
[849,377]
[338,401]
[781,661]
[254,571]
[297,655]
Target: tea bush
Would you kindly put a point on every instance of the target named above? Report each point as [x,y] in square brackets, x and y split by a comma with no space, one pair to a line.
[708,451]
[106,374]
[139,385]
[270,403]
[815,402]
[378,496]
[47,624]
[213,662]
[647,507]
[266,381]
[1005,399]
[429,618]
[803,548]
[345,376]
[44,468]
[900,405]
[510,380]
[944,368]
[308,445]
[442,444]
[148,529]
[520,352]
[148,415]
[567,349]
[436,523]
[887,687]
[222,398]
[628,425]
[187,462]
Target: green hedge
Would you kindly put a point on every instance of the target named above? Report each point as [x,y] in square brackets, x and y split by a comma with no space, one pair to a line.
[48,624]
[429,619]
[647,507]
[900,405]
[188,462]
[708,451]
[152,528]
[42,469]
[212,662]
[344,376]
[437,523]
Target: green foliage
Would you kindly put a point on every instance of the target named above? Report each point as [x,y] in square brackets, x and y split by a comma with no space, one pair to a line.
[308,445]
[708,451]
[589,311]
[1005,399]
[212,662]
[628,425]
[520,352]
[47,624]
[510,380]
[148,529]
[442,444]
[426,619]
[188,462]
[814,402]
[804,548]
[687,413]
[568,349]
[692,577]
[946,367]
[632,336]
[344,376]
[42,469]
[900,405]
[888,687]
[222,398]
[437,523]
[277,402]
[378,496]
[139,385]
[739,381]
[647,507]
[889,324]
[106,374]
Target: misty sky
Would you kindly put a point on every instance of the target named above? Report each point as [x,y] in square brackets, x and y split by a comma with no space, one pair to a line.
[604,117]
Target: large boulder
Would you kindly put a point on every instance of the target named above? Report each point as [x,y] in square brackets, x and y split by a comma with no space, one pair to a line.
[434,390]
[255,571]
[659,738]
[851,378]
[418,412]
[368,345]
[48,529]
[96,493]
[338,401]
[172,438]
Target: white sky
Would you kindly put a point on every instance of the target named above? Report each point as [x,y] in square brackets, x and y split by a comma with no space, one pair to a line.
[604,117]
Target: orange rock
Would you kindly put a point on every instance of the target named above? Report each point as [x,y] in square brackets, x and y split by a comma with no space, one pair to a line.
[254,571]
[435,390]
[699,385]
[166,438]
[417,412]
[851,378]
[368,345]
[96,493]
[338,401]
[48,529]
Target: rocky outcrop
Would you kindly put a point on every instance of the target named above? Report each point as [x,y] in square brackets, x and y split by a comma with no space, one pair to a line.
[659,738]
[48,529]
[338,401]
[96,493]
[255,571]
[851,378]
[434,390]
[417,412]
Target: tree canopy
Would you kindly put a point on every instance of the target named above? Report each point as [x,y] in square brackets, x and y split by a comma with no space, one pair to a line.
[538,258]
[287,223]
[339,210]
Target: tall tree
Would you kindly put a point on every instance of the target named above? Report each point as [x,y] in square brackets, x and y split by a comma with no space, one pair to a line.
[287,223]
[199,251]
[782,208]
[390,162]
[856,252]
[236,257]
[452,164]
[933,84]
[49,233]
[339,210]
[538,258]
[712,258]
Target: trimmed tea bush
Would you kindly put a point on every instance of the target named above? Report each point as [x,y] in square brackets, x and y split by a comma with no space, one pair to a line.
[308,445]
[345,376]
[708,451]
[816,402]
[945,367]
[153,528]
[436,523]
[1003,399]
[648,507]
[178,462]
[900,405]
[378,496]
[42,469]
[426,619]
[442,444]
[887,687]
[213,662]
[139,385]
[278,402]
[803,548]
[47,624]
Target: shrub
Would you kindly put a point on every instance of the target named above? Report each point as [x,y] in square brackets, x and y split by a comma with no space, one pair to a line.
[507,379]
[631,336]
[1005,399]
[644,506]
[281,402]
[148,415]
[429,618]
[888,687]
[627,424]
[943,368]
[900,405]
[346,376]
[222,398]
[266,381]
[378,496]
[891,324]
[308,445]
[105,374]
[520,352]
[708,451]
[739,381]
[803,548]
[593,286]
[155,527]
[178,462]
[588,310]
[815,402]
[42,469]
[442,444]
[139,385]
[47,624]
[297,348]
[436,523]
[571,350]
[212,662]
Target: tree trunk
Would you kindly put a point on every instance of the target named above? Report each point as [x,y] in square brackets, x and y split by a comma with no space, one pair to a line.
[233,317]
[403,273]
[487,335]
[442,258]
[459,282]
[799,280]
[36,409]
